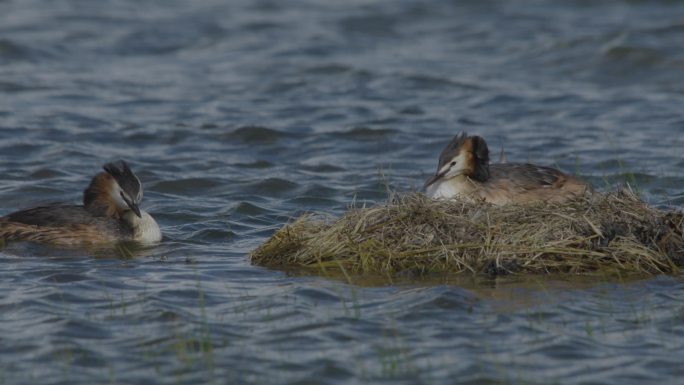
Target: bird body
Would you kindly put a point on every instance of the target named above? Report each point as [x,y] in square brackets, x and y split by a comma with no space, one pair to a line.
[464,171]
[110,213]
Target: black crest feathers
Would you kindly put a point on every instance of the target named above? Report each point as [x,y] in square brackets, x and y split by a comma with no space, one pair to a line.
[124,177]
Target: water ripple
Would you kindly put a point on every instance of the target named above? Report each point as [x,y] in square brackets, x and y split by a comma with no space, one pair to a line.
[239,116]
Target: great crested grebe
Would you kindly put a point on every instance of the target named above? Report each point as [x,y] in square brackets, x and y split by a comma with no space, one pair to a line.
[464,171]
[110,213]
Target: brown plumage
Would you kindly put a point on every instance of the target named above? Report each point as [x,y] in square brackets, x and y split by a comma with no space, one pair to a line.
[71,235]
[464,171]
[98,200]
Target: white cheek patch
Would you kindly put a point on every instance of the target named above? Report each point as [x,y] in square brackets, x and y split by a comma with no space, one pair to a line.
[116,196]
[458,168]
[462,162]
[444,169]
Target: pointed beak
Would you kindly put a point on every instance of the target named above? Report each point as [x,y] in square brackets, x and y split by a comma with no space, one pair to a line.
[434,179]
[134,207]
[136,210]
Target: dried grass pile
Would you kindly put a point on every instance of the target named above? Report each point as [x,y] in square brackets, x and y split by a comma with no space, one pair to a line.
[614,232]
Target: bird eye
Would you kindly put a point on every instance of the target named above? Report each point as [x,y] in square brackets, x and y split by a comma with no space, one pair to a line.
[453,164]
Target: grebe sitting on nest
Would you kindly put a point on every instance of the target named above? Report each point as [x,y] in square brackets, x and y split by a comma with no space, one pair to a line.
[110,213]
[464,170]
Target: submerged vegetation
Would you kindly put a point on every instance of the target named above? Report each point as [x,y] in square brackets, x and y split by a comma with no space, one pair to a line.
[614,232]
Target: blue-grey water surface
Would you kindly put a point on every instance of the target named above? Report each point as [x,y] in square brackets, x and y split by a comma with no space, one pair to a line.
[239,115]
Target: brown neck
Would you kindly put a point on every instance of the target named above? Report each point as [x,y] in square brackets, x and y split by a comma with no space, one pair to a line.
[96,197]
[478,159]
[480,172]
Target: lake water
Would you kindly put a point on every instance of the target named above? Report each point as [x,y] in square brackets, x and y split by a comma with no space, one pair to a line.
[240,115]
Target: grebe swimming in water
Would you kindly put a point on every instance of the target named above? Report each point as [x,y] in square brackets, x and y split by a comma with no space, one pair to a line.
[464,170]
[110,213]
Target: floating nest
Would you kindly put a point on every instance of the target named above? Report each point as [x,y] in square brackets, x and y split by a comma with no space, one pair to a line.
[613,232]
